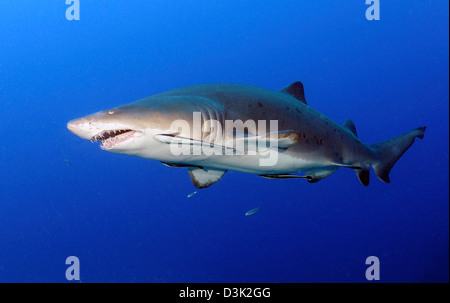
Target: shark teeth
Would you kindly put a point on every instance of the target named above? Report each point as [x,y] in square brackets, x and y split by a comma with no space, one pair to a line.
[110,138]
[102,137]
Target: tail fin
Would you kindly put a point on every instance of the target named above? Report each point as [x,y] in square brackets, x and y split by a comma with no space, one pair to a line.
[388,152]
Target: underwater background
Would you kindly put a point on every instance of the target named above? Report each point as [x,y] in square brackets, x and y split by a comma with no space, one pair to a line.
[129,219]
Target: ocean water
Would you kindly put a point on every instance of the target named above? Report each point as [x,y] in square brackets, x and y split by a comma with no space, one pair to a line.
[129,219]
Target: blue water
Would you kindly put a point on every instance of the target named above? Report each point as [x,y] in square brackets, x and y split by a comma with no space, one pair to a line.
[128,219]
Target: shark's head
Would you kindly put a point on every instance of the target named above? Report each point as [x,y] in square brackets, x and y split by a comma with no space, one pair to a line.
[132,128]
[118,129]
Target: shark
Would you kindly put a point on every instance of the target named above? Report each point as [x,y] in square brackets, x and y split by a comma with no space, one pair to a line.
[209,129]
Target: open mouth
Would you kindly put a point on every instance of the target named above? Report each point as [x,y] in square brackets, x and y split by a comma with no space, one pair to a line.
[111,138]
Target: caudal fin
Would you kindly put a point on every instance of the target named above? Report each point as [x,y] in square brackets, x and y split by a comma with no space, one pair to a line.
[388,152]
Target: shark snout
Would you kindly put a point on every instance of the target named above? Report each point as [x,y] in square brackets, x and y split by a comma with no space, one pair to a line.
[72,126]
[81,127]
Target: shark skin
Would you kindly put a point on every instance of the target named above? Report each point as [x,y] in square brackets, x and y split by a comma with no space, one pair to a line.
[304,140]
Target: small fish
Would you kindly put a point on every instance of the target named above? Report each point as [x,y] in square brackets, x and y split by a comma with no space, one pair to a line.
[252,211]
[68,162]
[191,194]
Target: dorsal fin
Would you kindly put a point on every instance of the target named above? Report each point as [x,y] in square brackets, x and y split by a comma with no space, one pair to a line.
[350,126]
[295,90]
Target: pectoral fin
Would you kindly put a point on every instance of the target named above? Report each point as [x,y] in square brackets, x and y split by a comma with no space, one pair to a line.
[202,178]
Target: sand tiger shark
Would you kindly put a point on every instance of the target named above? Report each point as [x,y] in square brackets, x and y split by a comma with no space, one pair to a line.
[304,143]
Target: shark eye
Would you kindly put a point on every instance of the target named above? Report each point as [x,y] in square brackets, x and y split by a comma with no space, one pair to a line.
[112,111]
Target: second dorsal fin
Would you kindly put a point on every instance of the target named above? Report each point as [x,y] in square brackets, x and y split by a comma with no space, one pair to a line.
[350,126]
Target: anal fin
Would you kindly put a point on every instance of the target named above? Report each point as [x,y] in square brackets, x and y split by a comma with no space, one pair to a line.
[363,174]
